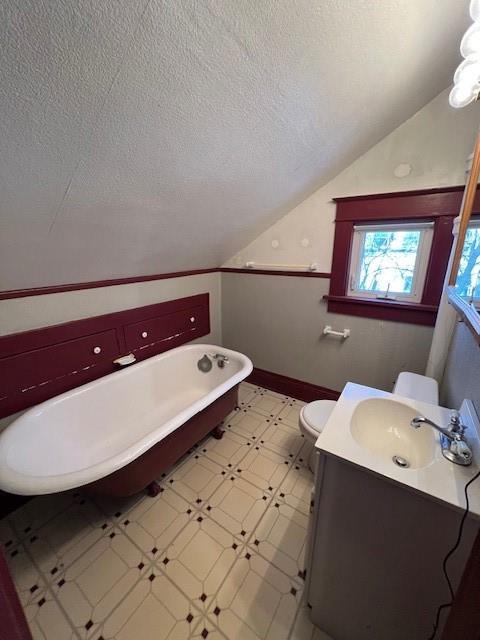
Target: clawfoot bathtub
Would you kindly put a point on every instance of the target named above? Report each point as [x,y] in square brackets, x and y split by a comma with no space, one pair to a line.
[117,434]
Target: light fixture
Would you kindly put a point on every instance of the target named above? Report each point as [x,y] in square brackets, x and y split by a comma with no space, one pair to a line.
[466,80]
[475,10]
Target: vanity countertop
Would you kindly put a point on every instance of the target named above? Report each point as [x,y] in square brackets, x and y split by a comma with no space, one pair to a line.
[440,479]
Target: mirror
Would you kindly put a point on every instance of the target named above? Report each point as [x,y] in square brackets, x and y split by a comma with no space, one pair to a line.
[464,278]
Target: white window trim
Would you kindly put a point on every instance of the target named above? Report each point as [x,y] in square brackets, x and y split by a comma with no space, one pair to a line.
[419,271]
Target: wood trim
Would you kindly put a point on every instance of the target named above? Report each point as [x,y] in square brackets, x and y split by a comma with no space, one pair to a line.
[390,310]
[399,194]
[467,207]
[342,250]
[403,206]
[277,272]
[299,389]
[95,284]
[468,313]
[437,205]
[439,256]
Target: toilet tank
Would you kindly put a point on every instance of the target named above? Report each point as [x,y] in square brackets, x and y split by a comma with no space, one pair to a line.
[416,387]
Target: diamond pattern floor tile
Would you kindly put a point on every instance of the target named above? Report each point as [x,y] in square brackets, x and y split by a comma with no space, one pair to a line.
[280,538]
[196,479]
[290,413]
[228,451]
[64,538]
[199,559]
[267,403]
[237,506]
[47,620]
[256,601]
[218,554]
[248,424]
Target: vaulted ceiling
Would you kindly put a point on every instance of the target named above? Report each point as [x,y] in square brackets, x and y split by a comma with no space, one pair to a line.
[144,136]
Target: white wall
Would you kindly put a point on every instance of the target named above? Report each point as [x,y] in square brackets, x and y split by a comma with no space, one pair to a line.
[21,314]
[434,143]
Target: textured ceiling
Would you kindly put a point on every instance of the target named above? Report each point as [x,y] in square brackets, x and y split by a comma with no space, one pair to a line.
[141,137]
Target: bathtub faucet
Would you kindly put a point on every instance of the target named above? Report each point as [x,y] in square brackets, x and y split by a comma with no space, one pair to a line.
[220,359]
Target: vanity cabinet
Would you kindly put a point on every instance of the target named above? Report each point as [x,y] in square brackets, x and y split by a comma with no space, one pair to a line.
[375,555]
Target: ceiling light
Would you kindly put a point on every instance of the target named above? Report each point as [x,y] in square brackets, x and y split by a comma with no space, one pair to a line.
[475,10]
[468,71]
[461,95]
[466,80]
[470,44]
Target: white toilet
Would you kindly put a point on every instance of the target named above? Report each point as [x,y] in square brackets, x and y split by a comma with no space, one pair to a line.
[416,387]
[314,416]
[312,419]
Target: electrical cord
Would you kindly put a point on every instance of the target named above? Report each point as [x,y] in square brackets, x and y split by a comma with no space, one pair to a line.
[449,555]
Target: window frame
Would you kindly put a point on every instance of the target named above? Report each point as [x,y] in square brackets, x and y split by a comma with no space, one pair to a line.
[439,206]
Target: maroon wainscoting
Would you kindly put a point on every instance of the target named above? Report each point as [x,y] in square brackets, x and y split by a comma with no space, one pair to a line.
[299,389]
[39,364]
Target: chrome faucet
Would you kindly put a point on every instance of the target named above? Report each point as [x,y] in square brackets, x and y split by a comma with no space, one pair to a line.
[220,359]
[452,441]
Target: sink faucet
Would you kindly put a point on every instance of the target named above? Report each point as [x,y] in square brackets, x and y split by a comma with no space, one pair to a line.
[452,441]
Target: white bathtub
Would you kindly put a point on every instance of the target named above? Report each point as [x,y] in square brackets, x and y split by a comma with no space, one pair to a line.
[98,428]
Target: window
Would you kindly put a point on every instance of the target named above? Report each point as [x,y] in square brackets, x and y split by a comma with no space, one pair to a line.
[468,279]
[389,261]
[391,251]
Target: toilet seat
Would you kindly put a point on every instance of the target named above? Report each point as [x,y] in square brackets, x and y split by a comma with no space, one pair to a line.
[314,416]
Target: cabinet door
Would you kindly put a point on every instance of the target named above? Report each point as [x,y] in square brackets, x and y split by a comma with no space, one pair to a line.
[166,328]
[38,374]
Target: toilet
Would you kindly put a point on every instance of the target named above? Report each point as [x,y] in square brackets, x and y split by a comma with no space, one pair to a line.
[416,387]
[314,416]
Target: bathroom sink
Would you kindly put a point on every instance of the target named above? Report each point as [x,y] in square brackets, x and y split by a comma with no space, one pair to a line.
[382,426]
[370,428]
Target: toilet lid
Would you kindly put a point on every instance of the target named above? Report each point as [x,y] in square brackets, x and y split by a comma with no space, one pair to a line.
[317,413]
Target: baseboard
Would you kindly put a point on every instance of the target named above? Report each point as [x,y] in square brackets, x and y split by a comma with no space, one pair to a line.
[299,389]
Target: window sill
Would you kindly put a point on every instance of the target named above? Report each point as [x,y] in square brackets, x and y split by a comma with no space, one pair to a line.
[393,310]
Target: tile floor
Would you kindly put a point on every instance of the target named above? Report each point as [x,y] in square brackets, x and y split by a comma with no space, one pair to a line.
[219,554]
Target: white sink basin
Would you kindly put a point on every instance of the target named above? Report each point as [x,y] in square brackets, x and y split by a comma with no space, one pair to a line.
[382,426]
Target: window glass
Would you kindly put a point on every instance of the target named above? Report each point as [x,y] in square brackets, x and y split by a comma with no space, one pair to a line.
[388,260]
[468,280]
